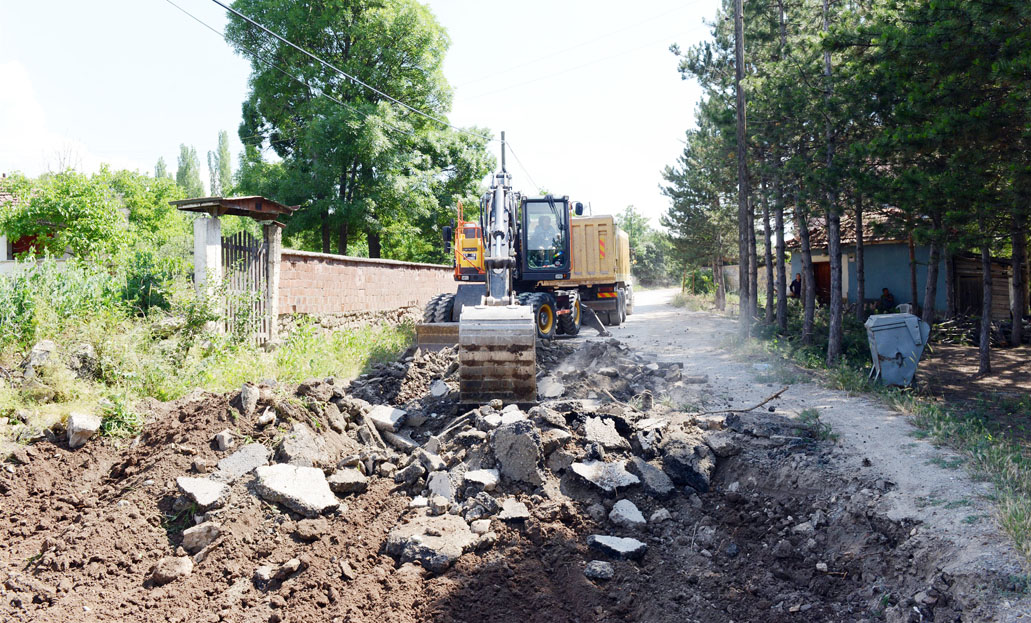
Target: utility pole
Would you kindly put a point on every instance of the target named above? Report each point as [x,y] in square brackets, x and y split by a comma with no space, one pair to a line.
[745,288]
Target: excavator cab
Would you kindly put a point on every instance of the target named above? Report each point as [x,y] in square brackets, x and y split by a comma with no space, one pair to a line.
[543,246]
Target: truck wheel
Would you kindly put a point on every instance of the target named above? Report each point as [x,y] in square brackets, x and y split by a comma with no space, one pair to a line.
[544,315]
[439,308]
[615,317]
[570,323]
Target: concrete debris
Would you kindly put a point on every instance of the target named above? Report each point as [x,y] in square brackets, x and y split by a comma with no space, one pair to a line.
[433,542]
[722,444]
[654,481]
[518,450]
[199,537]
[224,440]
[603,431]
[688,460]
[169,569]
[480,526]
[514,510]
[410,474]
[607,476]
[348,480]
[549,388]
[486,478]
[80,427]
[554,438]
[432,462]
[303,447]
[204,493]
[267,418]
[439,484]
[84,362]
[626,515]
[419,501]
[249,395]
[618,547]
[660,516]
[242,462]
[387,418]
[439,389]
[438,505]
[303,490]
[599,570]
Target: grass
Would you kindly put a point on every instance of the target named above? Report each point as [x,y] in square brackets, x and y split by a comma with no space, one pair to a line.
[809,419]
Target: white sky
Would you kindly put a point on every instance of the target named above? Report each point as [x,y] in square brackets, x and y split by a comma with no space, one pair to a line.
[586,90]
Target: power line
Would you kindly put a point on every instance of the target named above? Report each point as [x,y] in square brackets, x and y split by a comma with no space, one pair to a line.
[349,76]
[520,163]
[318,91]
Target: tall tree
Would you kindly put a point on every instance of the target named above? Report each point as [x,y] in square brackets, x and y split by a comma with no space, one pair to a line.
[161,170]
[187,176]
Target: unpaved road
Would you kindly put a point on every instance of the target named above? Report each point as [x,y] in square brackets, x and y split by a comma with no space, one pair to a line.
[925,483]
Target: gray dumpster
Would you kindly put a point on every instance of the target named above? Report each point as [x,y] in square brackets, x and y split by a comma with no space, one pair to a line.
[896,343]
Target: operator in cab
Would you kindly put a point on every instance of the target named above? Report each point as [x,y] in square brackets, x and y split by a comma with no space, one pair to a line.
[543,242]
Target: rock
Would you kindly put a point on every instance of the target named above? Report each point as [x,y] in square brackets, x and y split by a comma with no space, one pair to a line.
[609,372]
[348,480]
[301,489]
[409,474]
[606,476]
[560,460]
[80,427]
[346,571]
[821,567]
[805,528]
[439,484]
[688,461]
[617,547]
[626,515]
[206,494]
[480,526]
[599,570]
[511,414]
[722,444]
[783,549]
[660,516]
[492,420]
[200,466]
[309,530]
[732,550]
[554,438]
[249,395]
[387,418]
[419,501]
[438,504]
[38,357]
[486,478]
[597,512]
[434,542]
[518,450]
[84,362]
[387,469]
[242,462]
[289,568]
[316,389]
[199,537]
[224,440]
[302,447]
[654,481]
[514,510]
[432,462]
[169,569]
[334,417]
[439,389]
[267,418]
[603,432]
[549,387]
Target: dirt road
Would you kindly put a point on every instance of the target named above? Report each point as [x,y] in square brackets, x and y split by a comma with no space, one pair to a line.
[927,484]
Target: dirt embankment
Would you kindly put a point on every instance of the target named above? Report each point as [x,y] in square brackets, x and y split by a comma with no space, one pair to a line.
[444,514]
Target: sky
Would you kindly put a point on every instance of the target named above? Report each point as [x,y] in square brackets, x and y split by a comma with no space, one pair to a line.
[586,90]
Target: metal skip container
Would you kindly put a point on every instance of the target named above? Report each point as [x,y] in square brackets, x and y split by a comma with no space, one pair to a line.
[896,343]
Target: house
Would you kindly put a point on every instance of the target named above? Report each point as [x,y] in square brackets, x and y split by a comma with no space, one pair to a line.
[886,260]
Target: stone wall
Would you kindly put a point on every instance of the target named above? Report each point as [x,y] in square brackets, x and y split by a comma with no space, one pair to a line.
[320,284]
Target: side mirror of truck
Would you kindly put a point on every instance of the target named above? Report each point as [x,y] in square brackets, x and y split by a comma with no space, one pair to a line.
[578,209]
[449,235]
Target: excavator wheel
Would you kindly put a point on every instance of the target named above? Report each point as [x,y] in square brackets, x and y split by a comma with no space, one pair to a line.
[569,324]
[544,316]
[439,308]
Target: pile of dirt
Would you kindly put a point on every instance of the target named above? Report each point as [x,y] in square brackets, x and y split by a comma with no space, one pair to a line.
[382,499]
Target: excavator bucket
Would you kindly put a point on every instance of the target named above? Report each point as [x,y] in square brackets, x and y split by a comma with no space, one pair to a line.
[497,355]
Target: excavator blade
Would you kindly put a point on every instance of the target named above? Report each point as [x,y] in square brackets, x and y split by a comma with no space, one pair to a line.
[497,354]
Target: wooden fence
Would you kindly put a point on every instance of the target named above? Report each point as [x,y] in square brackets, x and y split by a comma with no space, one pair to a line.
[245,269]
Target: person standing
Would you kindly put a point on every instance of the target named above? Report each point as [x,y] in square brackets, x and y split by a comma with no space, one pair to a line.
[796,286]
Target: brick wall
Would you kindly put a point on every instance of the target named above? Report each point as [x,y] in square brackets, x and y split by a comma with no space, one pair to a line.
[319,283]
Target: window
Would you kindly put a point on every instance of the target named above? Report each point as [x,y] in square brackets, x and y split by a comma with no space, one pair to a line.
[546,234]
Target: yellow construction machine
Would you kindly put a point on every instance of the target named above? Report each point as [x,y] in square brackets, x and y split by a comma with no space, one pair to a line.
[529,268]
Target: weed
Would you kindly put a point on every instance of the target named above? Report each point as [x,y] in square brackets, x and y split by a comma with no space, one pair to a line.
[972,519]
[118,419]
[174,523]
[959,503]
[809,419]
[944,463]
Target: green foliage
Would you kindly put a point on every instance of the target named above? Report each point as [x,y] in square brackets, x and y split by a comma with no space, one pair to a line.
[809,419]
[220,167]
[187,176]
[118,419]
[699,281]
[369,170]
[650,250]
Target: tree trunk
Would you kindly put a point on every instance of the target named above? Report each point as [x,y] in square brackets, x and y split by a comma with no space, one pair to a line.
[374,244]
[808,278]
[1018,283]
[342,239]
[835,330]
[950,283]
[860,262]
[721,287]
[931,287]
[744,307]
[912,273]
[325,234]
[768,252]
[753,262]
[782,277]
[984,348]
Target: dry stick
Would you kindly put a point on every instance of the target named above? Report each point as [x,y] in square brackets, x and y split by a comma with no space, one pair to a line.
[774,396]
[621,403]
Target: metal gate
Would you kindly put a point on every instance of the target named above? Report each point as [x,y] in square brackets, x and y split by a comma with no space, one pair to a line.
[245,267]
